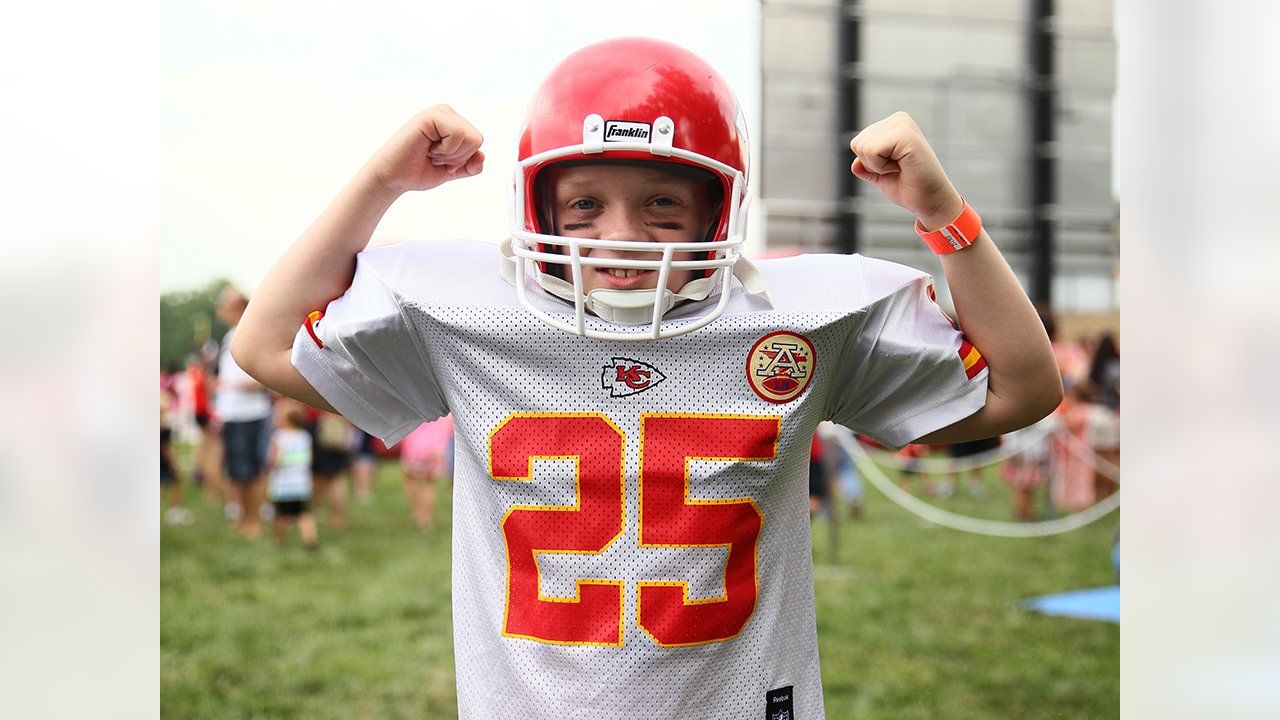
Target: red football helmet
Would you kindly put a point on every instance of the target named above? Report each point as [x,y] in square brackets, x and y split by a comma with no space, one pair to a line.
[630,99]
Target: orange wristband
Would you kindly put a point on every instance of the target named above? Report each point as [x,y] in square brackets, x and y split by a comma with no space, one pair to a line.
[955,235]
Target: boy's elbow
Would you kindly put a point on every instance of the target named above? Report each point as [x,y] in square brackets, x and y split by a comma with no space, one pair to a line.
[1053,395]
[1042,390]
[242,352]
[1046,398]
[1029,402]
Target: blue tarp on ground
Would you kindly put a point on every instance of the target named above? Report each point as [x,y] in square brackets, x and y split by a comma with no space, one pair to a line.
[1095,604]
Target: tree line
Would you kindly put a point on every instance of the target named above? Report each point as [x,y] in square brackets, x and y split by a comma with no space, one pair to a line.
[187,321]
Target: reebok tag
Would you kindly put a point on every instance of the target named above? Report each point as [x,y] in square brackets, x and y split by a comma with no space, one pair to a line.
[777,704]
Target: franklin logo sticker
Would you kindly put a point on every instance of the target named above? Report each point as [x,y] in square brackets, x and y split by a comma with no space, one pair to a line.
[780,366]
[623,131]
[628,377]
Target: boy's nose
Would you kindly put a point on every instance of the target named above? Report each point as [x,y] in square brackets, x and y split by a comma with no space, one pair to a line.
[622,224]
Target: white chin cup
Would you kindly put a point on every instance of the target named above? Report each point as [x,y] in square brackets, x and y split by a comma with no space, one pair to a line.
[628,307]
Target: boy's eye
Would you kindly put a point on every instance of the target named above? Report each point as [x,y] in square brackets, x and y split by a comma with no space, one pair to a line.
[583,204]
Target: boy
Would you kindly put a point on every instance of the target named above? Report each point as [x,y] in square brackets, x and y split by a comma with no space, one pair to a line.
[632,424]
[174,513]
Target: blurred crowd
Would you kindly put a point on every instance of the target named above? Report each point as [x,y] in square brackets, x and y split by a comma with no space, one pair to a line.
[268,460]
[1063,464]
[1073,453]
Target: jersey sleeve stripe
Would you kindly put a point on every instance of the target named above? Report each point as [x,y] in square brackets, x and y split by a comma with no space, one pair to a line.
[972,359]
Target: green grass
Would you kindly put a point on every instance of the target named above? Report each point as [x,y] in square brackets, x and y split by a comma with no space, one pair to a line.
[914,621]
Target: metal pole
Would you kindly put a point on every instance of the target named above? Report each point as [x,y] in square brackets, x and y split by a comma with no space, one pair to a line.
[1043,84]
[848,81]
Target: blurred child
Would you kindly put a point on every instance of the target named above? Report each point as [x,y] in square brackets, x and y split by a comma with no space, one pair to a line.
[364,465]
[1026,470]
[330,461]
[207,464]
[423,458]
[846,482]
[1029,467]
[818,485]
[1073,481]
[844,470]
[289,486]
[1104,417]
[909,470]
[967,470]
[175,514]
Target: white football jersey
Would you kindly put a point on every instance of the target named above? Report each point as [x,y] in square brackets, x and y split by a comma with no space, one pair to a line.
[631,529]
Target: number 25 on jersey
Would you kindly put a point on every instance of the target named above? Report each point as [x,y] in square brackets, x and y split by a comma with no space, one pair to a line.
[668,518]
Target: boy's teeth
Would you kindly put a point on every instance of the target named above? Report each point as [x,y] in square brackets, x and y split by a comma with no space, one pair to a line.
[623,273]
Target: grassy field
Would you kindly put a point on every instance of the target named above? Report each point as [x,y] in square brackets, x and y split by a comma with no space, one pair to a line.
[914,621]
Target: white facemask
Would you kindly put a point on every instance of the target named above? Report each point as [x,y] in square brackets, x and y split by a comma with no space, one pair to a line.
[636,307]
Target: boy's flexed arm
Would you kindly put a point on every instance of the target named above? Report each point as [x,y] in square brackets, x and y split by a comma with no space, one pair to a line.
[436,146]
[995,313]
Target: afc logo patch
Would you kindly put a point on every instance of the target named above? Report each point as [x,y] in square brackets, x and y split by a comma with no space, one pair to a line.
[780,366]
[628,377]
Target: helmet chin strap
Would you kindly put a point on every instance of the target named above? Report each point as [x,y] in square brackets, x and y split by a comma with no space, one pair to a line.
[627,307]
[635,307]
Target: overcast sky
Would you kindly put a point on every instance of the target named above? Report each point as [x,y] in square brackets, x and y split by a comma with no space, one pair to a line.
[269,108]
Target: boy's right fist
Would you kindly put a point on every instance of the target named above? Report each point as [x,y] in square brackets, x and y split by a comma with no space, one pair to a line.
[436,146]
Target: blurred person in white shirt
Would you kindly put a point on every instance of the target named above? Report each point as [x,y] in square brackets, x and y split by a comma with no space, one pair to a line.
[244,405]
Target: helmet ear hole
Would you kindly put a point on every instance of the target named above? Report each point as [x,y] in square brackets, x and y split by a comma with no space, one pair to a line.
[718,219]
[544,216]
[715,201]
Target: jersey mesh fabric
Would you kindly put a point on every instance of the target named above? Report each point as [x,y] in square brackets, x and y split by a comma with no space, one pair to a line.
[573,505]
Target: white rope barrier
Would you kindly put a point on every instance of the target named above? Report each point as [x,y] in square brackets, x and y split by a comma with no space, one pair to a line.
[1083,451]
[870,470]
[1012,445]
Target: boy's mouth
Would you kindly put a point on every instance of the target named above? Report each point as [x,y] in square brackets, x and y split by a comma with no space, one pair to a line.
[623,272]
[623,278]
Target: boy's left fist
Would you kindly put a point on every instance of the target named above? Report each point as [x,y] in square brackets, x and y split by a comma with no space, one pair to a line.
[893,155]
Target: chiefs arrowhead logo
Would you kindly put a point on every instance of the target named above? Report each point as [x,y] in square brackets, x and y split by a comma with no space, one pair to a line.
[780,366]
[628,377]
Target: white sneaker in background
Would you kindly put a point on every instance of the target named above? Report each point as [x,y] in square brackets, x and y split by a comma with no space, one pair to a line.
[179,516]
[231,511]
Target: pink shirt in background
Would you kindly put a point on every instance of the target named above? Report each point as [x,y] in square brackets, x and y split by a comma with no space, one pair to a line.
[428,439]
